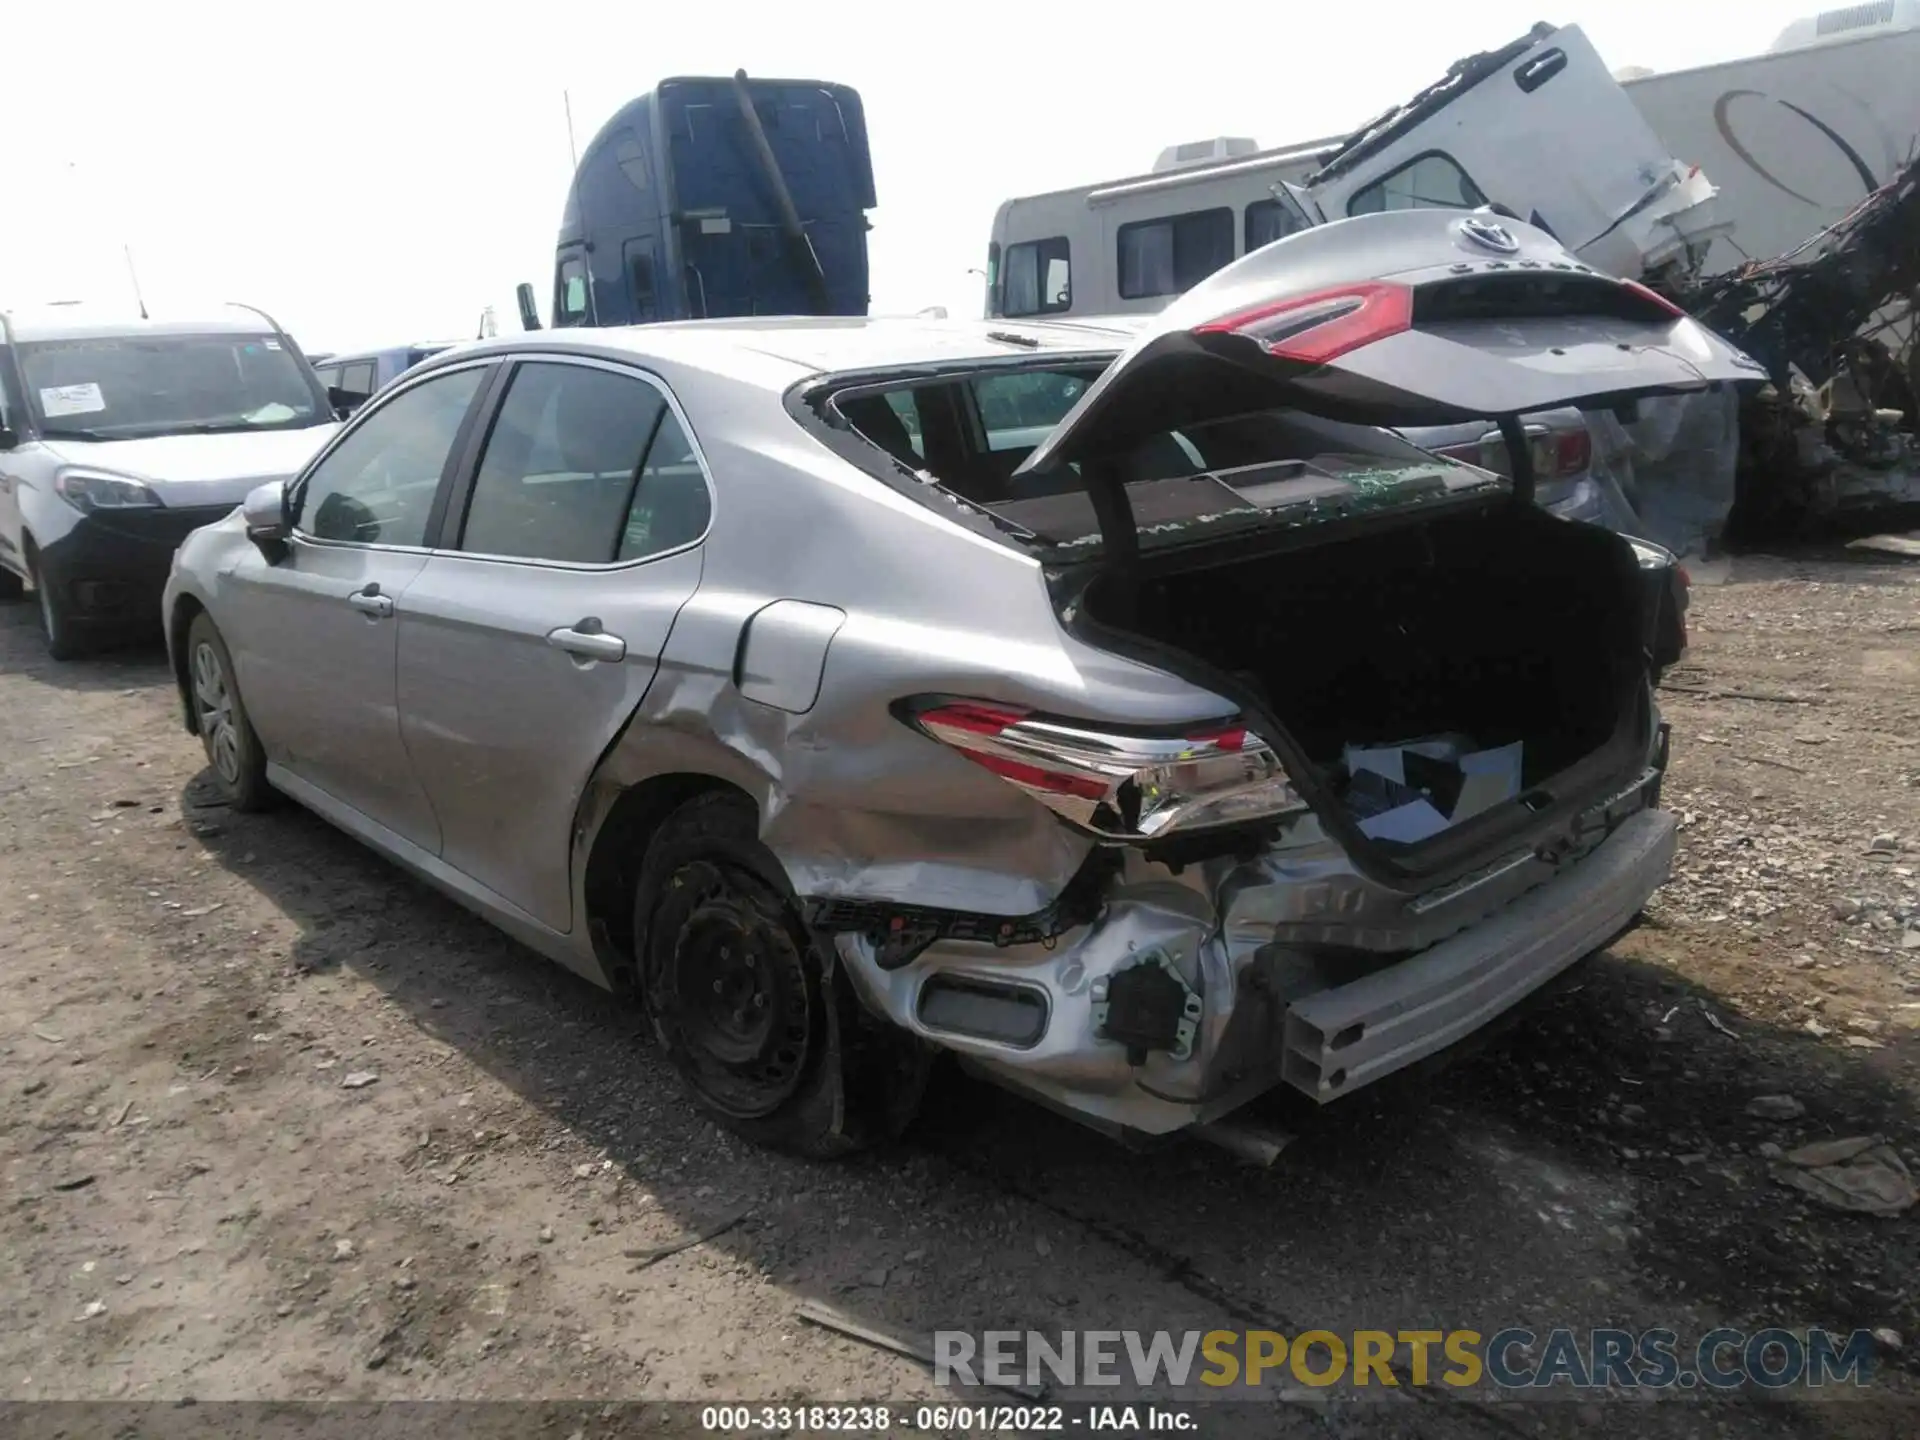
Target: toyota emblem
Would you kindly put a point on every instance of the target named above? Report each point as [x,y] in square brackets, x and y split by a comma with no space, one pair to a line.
[1490,236]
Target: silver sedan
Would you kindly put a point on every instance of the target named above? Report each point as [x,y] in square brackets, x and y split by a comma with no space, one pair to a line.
[1124,712]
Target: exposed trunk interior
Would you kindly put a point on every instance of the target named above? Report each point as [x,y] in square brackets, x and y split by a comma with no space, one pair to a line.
[1502,627]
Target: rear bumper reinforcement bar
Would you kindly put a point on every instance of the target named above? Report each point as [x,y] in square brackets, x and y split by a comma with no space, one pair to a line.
[1341,1039]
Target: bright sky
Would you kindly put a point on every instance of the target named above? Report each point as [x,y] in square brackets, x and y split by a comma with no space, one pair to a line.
[375,174]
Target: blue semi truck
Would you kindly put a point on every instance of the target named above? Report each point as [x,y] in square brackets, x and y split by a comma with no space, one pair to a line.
[710,197]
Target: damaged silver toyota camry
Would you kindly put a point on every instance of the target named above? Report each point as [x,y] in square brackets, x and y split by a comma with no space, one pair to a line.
[1119,709]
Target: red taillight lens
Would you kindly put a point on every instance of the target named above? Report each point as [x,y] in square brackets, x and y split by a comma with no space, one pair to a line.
[1656,298]
[1572,452]
[1120,786]
[1319,328]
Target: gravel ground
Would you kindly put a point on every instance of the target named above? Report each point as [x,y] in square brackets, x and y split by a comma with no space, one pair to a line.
[280,1123]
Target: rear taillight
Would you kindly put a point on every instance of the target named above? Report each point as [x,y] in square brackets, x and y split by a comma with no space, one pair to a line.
[1572,452]
[1318,328]
[1557,454]
[1120,786]
[1654,297]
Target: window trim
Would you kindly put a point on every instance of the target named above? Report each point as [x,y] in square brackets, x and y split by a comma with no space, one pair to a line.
[460,498]
[1408,164]
[456,453]
[1004,260]
[1171,221]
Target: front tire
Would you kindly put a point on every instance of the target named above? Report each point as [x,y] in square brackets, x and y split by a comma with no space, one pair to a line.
[63,637]
[744,1005]
[226,734]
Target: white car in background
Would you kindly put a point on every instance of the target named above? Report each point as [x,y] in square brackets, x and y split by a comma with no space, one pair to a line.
[120,435]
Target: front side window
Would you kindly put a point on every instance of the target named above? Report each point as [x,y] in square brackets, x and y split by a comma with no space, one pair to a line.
[1427,182]
[1038,278]
[584,466]
[127,386]
[1269,220]
[570,293]
[357,378]
[1166,257]
[377,485]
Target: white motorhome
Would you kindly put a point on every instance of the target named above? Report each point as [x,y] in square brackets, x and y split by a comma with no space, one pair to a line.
[1792,140]
[1538,127]
[1795,138]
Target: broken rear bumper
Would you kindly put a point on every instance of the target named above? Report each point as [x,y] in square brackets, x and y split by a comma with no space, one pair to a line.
[1293,969]
[1340,1039]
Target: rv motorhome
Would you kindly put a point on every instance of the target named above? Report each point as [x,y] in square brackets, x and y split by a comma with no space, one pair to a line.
[1538,128]
[1792,140]
[1797,137]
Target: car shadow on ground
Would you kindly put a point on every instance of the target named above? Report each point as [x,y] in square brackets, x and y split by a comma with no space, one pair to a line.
[1593,1164]
[127,665]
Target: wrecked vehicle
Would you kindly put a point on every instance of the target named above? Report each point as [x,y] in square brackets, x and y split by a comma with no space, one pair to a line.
[1837,429]
[1206,739]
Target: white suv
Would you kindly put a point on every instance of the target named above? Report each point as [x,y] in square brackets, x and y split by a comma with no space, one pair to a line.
[119,435]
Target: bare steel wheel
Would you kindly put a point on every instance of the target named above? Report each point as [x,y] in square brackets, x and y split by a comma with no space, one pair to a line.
[735,985]
[745,1002]
[233,750]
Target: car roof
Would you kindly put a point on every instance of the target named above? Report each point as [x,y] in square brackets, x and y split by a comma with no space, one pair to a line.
[80,322]
[778,350]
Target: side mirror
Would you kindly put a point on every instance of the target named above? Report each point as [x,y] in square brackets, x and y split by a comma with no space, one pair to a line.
[529,312]
[265,511]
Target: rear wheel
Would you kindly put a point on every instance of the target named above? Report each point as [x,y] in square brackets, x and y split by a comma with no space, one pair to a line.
[745,1008]
[233,750]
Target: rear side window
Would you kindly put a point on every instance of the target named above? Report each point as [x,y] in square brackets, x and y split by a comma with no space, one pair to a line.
[1427,182]
[1038,278]
[1165,257]
[584,466]
[1017,409]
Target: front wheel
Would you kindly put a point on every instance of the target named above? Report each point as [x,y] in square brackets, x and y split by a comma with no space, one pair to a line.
[63,637]
[227,735]
[758,1028]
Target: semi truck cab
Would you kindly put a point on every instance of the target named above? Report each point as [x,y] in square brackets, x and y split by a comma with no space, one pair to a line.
[717,196]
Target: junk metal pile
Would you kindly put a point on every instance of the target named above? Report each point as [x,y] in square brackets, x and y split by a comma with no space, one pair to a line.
[1833,322]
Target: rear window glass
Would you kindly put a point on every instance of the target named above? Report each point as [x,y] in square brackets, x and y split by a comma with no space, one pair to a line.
[1256,470]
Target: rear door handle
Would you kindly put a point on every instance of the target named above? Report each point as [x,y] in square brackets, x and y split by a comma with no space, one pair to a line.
[587,640]
[369,601]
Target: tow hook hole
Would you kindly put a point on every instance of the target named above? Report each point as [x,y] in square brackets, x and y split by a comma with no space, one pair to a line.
[1337,1079]
[1343,1039]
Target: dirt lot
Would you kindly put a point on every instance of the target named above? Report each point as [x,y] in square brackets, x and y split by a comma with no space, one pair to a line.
[204,1197]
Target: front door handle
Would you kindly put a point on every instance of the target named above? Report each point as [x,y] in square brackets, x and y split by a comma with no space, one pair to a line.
[586,639]
[370,602]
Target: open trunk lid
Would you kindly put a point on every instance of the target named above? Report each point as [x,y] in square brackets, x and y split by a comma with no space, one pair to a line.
[1414,317]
